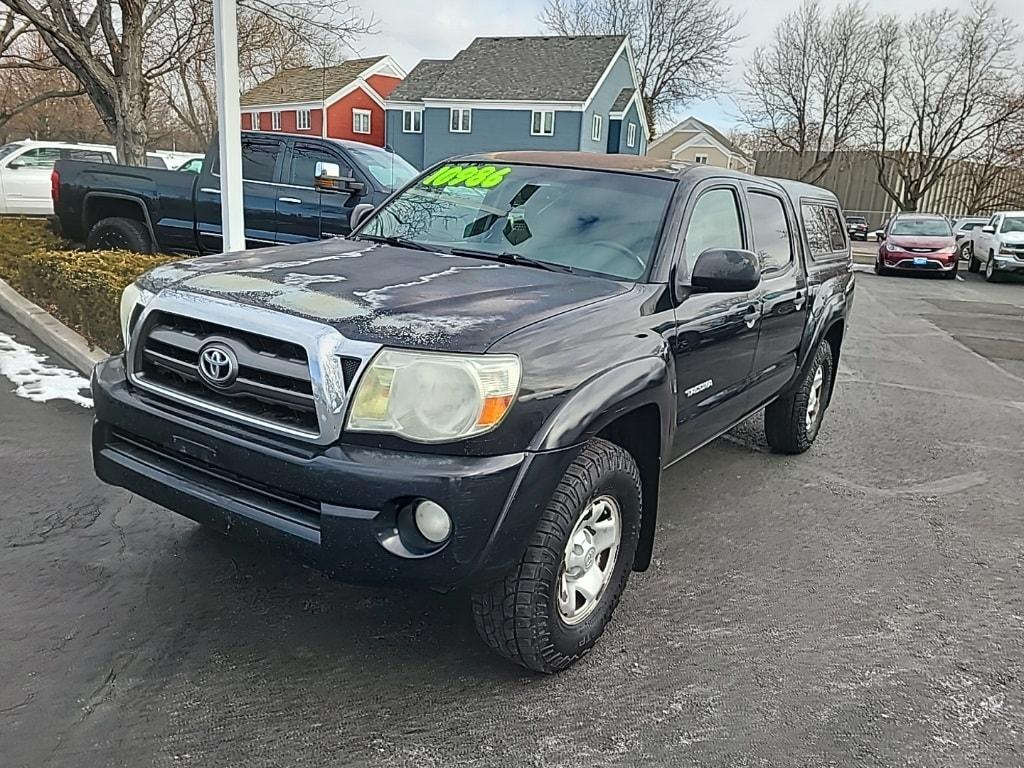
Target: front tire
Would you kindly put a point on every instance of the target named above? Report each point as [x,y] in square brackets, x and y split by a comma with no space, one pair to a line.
[973,265]
[550,610]
[991,273]
[791,423]
[119,234]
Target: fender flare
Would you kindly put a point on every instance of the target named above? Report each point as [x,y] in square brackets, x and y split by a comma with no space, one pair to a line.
[602,400]
[138,201]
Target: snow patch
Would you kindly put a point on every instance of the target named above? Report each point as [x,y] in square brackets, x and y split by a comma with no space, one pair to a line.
[36,379]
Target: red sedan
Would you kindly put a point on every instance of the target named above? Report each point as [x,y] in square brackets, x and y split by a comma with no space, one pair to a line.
[918,242]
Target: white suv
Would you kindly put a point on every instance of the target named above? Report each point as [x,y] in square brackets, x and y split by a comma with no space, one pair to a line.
[998,246]
[25,168]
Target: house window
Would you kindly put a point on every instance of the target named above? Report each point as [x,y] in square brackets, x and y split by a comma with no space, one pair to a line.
[412,121]
[275,121]
[255,117]
[542,122]
[700,159]
[302,121]
[360,121]
[631,135]
[595,130]
[462,120]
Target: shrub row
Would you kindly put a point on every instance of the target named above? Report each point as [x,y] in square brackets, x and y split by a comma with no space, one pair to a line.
[82,288]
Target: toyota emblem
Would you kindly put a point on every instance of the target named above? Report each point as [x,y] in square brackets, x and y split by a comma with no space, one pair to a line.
[218,365]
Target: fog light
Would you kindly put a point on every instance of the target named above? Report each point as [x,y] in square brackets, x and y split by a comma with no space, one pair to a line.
[432,521]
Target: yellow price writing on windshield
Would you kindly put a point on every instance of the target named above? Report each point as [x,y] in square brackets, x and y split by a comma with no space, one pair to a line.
[485,176]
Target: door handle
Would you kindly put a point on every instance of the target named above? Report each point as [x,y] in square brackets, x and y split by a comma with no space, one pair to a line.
[751,314]
[798,302]
[210,190]
[288,200]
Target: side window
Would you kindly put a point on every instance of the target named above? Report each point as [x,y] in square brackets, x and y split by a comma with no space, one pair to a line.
[993,221]
[259,159]
[825,233]
[88,155]
[771,231]
[303,166]
[155,161]
[41,157]
[714,223]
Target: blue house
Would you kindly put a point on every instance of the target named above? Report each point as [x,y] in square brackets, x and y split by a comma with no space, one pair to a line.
[507,93]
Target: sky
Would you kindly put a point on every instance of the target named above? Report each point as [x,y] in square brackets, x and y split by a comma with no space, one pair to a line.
[411,30]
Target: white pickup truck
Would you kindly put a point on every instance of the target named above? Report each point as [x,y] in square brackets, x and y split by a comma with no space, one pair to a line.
[998,246]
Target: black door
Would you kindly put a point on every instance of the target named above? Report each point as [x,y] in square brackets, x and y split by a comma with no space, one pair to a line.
[716,334]
[303,212]
[262,161]
[784,292]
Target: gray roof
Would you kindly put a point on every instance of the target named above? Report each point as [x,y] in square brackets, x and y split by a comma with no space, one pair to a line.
[420,81]
[556,68]
[306,83]
[623,99]
[720,137]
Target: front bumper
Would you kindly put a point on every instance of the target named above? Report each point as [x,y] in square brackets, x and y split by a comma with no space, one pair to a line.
[332,507]
[905,262]
[1007,263]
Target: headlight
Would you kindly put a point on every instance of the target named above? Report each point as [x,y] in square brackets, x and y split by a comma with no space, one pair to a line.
[132,298]
[430,397]
[891,247]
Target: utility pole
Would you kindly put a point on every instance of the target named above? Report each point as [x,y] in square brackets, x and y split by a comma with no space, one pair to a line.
[229,125]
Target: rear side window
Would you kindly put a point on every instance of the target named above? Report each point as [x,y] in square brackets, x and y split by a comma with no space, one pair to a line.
[259,159]
[41,157]
[714,223]
[88,155]
[771,231]
[825,233]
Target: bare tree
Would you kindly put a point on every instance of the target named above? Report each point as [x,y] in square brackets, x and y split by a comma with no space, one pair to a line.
[940,82]
[28,75]
[681,47]
[991,176]
[117,49]
[806,91]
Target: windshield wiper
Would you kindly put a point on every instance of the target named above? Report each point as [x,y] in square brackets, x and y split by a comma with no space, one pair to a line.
[399,242]
[512,258]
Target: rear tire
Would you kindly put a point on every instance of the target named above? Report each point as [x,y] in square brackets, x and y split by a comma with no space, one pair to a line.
[792,422]
[119,234]
[534,616]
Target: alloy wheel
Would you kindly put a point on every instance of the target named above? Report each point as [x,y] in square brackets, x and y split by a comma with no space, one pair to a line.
[589,559]
[814,401]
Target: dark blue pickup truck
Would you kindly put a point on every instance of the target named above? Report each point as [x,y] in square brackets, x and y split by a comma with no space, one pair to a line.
[296,189]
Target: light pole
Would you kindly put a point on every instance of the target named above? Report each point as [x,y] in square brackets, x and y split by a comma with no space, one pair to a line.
[229,124]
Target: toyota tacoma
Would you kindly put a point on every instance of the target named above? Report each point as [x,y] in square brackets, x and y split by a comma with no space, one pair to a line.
[481,385]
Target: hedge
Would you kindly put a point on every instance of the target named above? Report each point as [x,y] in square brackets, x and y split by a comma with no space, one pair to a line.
[82,288]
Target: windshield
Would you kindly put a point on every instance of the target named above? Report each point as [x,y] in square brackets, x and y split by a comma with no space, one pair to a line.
[593,221]
[387,167]
[921,227]
[965,225]
[1013,224]
[7,149]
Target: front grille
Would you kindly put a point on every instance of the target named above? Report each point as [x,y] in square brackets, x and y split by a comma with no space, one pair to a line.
[273,382]
[299,509]
[920,250]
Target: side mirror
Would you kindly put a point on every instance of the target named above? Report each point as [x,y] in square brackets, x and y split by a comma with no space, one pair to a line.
[726,270]
[988,229]
[15,165]
[329,179]
[881,236]
[359,214]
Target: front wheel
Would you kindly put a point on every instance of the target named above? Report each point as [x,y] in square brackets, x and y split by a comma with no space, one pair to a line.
[550,610]
[973,265]
[791,423]
[991,273]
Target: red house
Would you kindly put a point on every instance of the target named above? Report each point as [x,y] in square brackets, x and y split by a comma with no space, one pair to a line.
[352,94]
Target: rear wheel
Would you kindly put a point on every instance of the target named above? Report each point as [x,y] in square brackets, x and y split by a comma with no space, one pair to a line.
[119,234]
[791,423]
[550,610]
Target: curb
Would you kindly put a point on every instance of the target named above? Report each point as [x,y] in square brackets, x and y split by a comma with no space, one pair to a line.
[67,343]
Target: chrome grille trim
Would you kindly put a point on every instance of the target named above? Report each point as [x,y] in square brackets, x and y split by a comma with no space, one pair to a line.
[323,344]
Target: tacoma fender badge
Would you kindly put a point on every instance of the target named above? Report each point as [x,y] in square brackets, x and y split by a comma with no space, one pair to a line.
[699,388]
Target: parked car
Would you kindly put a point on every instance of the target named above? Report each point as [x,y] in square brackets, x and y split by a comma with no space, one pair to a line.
[918,242]
[25,168]
[295,188]
[857,227]
[998,245]
[962,229]
[474,389]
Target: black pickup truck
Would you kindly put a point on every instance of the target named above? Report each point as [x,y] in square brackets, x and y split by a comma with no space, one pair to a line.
[483,383]
[295,188]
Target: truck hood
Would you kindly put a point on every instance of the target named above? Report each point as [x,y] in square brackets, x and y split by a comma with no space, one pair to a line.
[389,295]
[1012,238]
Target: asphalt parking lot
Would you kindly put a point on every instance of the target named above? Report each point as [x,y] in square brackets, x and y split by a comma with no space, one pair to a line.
[859,605]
